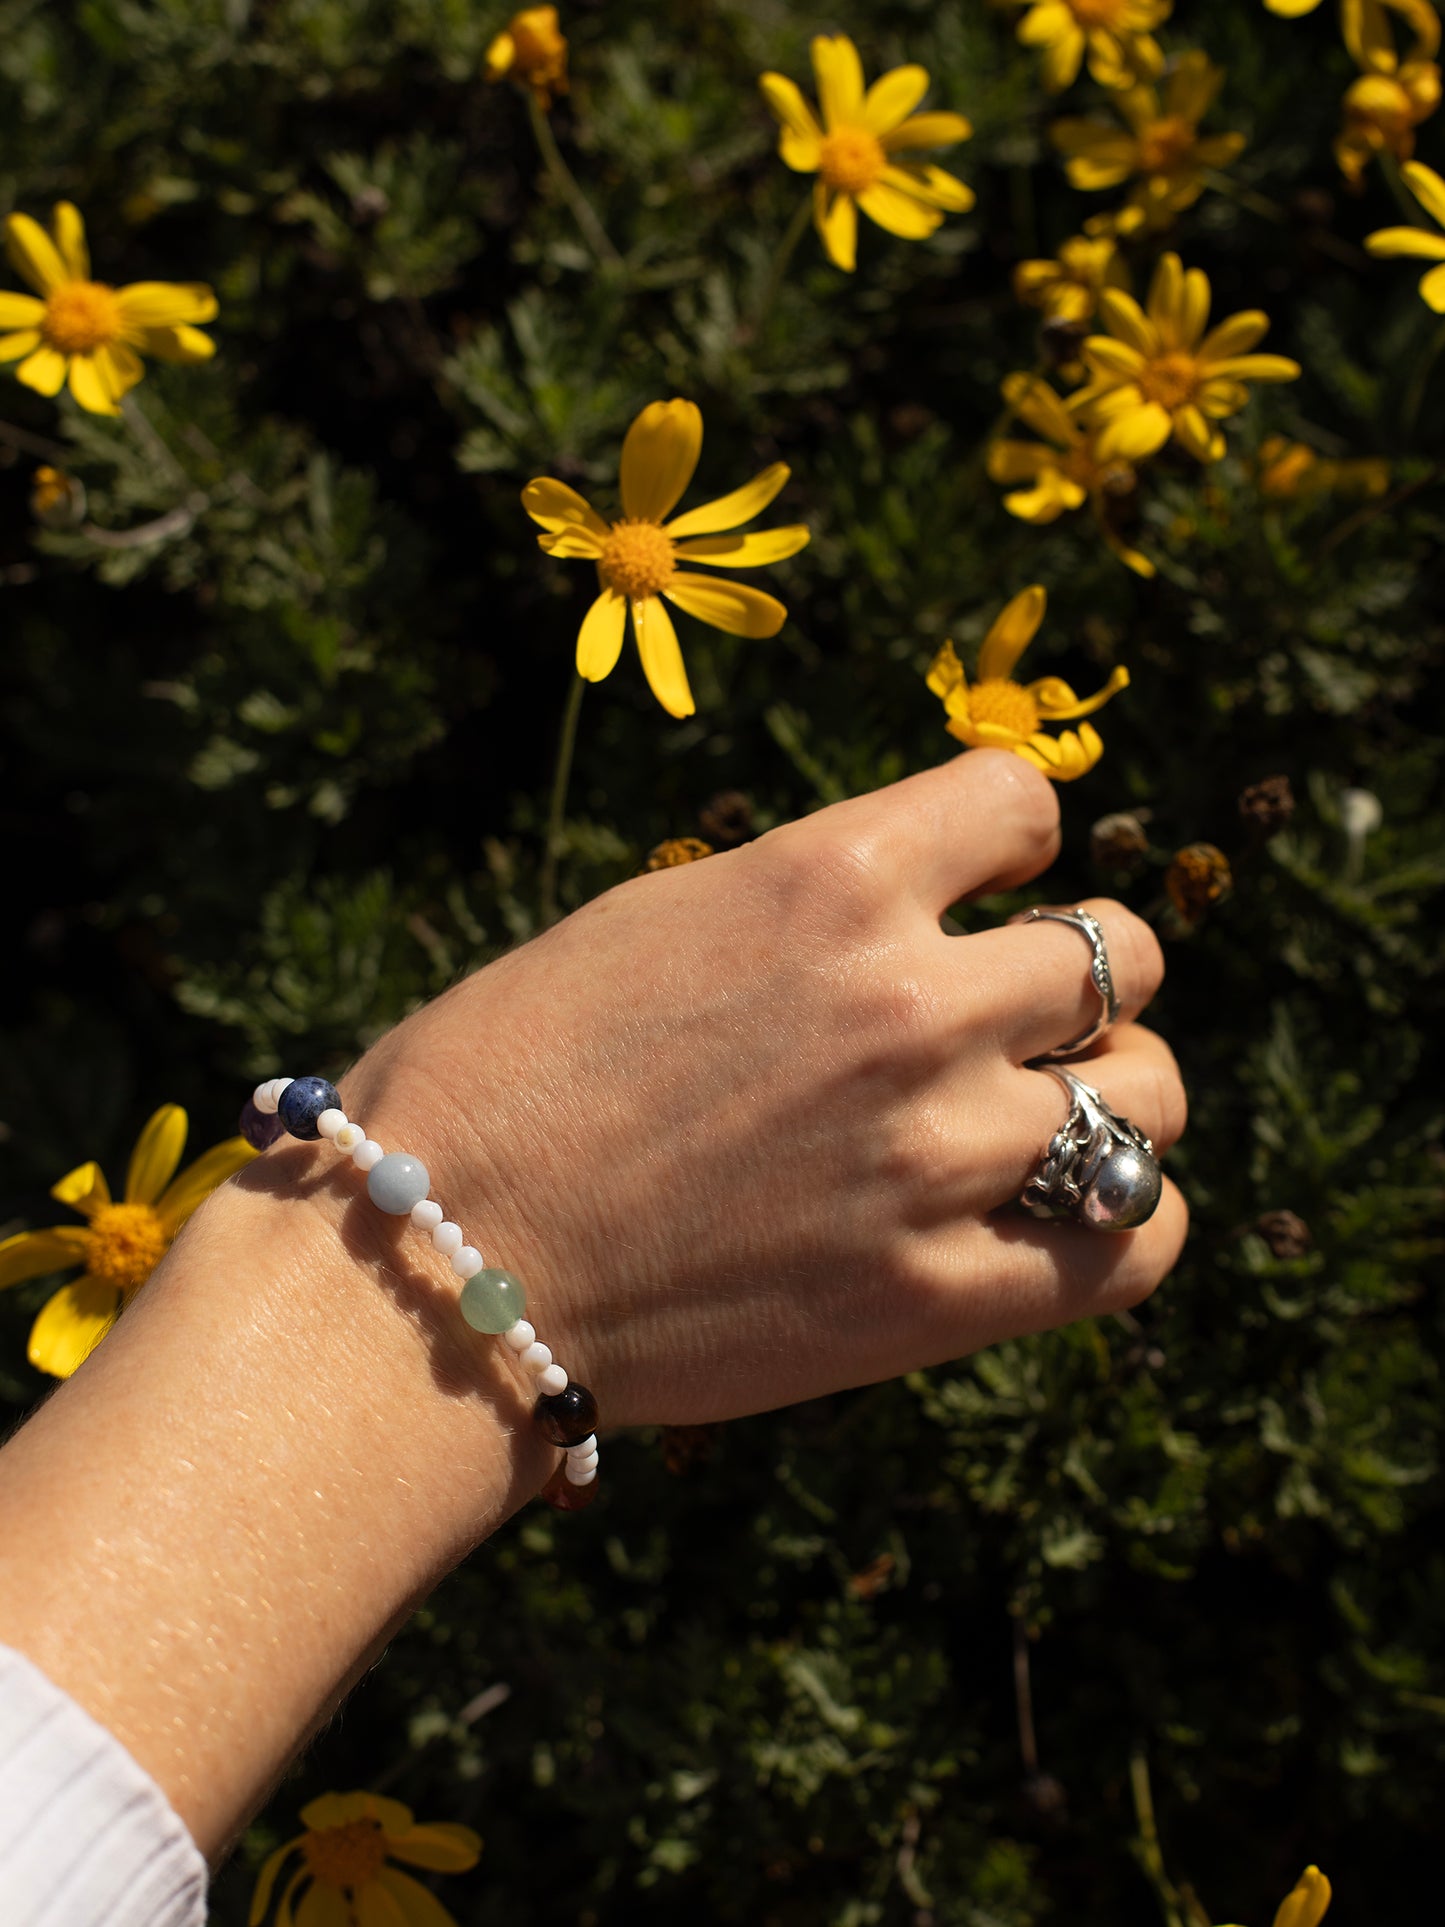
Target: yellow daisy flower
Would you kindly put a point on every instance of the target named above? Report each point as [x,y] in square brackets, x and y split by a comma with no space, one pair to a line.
[1382,112]
[998,713]
[344,1876]
[1116,35]
[853,148]
[1366,28]
[84,330]
[532,50]
[1161,150]
[120,1245]
[1307,1902]
[1159,374]
[1293,472]
[1062,472]
[1067,287]
[637,555]
[1429,190]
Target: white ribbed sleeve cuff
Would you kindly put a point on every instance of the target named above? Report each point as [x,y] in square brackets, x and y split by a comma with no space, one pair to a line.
[87,1839]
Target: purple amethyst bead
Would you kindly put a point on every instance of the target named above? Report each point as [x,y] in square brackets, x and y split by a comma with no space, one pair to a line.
[259,1131]
[303,1101]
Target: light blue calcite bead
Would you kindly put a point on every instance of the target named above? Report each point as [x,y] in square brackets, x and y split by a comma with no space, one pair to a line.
[492,1301]
[396,1182]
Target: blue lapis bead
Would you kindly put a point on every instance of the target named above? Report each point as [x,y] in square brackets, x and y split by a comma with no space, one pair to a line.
[259,1130]
[303,1101]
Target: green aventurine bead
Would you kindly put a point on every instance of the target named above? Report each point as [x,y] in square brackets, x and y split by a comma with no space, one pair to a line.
[492,1301]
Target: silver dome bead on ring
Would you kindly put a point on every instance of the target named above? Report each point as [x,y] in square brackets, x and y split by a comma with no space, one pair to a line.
[1098,1169]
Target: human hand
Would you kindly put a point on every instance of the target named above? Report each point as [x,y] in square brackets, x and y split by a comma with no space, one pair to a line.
[745,1128]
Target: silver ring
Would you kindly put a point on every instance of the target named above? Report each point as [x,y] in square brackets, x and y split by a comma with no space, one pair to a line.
[1092,931]
[1098,1170]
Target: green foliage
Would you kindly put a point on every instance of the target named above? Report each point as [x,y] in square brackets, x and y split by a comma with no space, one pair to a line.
[279,720]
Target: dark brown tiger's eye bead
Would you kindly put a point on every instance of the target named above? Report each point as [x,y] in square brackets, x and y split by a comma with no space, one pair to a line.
[560,1493]
[565,1418]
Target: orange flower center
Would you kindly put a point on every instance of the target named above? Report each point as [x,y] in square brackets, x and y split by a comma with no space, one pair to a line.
[346,1856]
[1006,704]
[1165,144]
[1099,13]
[852,160]
[1170,380]
[538,47]
[127,1242]
[637,559]
[81,317]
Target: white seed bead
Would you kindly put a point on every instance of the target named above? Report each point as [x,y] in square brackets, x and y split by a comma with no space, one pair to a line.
[366,1154]
[267,1097]
[448,1237]
[349,1137]
[537,1358]
[552,1381]
[583,1447]
[520,1335]
[589,1464]
[427,1215]
[467,1262]
[330,1122]
[574,1477]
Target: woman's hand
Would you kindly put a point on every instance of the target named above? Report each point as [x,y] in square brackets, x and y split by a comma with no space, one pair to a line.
[745,1127]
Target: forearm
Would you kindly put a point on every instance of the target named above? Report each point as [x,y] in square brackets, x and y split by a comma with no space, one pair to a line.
[283,1445]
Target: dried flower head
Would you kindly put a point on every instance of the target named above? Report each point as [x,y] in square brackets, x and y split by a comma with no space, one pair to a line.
[1197,879]
[677,849]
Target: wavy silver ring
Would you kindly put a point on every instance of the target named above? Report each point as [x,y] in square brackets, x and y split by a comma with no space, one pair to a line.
[1098,1170]
[1092,931]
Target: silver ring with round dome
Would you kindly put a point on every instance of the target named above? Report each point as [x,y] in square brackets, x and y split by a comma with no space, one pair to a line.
[1098,1170]
[1092,931]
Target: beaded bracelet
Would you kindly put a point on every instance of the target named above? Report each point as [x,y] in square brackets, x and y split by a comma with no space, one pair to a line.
[492,1301]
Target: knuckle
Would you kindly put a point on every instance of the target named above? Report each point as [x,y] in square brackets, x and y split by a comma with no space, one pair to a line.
[1028,796]
[812,871]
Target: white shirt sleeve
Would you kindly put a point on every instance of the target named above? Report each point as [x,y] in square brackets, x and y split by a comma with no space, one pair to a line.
[87,1838]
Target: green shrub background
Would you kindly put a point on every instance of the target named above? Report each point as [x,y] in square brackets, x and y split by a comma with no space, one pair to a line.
[271,782]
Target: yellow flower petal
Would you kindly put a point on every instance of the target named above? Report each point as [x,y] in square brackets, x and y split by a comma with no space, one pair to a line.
[1387,242]
[1058,703]
[661,658]
[1135,432]
[1257,368]
[1054,496]
[68,230]
[443,1845]
[1193,433]
[415,1905]
[1236,336]
[266,1880]
[336,1810]
[786,100]
[84,1189]
[946,673]
[1012,462]
[802,152]
[659,456]
[33,1254]
[199,1179]
[836,219]
[12,347]
[181,343]
[1193,307]
[72,1324]
[839,74]
[1033,401]
[500,55]
[1125,319]
[90,387]
[557,507]
[1306,1904]
[1114,361]
[599,641]
[323,1906]
[284,1915]
[1432,287]
[899,213]
[734,607]
[892,98]
[44,371]
[572,545]
[731,511]
[1427,187]
[927,182]
[165,304]
[157,1153]
[34,255]
[927,130]
[746,551]
[20,310]
[1012,632]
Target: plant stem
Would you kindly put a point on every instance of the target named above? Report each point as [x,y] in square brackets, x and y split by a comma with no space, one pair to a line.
[150,438]
[28,444]
[1374,510]
[552,850]
[778,266]
[563,179]
[1147,1850]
